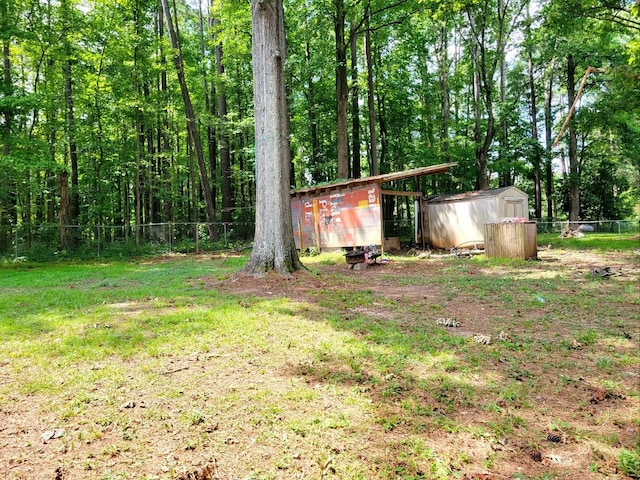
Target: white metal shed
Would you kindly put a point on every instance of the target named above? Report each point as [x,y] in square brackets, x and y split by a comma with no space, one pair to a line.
[453,220]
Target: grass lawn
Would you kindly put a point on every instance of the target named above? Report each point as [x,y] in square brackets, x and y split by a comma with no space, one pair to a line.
[178,368]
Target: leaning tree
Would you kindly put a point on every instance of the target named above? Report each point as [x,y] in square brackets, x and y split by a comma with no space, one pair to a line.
[274,247]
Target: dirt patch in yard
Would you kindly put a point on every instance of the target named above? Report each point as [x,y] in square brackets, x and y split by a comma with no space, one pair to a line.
[411,369]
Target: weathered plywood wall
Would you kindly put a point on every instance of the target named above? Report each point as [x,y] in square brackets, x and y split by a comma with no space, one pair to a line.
[456,220]
[511,240]
[338,218]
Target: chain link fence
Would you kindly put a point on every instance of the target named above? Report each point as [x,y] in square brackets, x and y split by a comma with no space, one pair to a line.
[47,242]
[405,230]
[602,226]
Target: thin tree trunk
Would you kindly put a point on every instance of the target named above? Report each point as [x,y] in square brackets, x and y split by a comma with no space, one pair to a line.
[74,195]
[342,91]
[225,155]
[503,150]
[8,199]
[481,161]
[192,125]
[212,141]
[137,189]
[355,108]
[548,123]
[63,215]
[384,134]
[164,146]
[536,160]
[316,173]
[373,142]
[137,186]
[574,174]
[445,100]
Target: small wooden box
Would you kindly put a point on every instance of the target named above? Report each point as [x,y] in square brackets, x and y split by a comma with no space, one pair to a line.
[517,240]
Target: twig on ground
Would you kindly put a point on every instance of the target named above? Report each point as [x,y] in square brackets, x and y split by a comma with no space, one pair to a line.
[175,370]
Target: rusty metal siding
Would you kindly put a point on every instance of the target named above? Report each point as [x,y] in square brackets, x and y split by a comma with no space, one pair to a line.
[338,218]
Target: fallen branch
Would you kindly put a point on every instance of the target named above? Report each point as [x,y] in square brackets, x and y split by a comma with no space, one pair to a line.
[169,372]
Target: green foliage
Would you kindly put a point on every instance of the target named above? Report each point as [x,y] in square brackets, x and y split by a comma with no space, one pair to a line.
[629,462]
[135,162]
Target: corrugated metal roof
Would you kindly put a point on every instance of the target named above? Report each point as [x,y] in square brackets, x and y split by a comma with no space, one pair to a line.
[456,197]
[387,177]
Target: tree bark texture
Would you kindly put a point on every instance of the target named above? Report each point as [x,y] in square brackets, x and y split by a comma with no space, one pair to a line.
[548,123]
[274,247]
[8,205]
[536,160]
[574,174]
[74,195]
[342,91]
[192,125]
[355,107]
[225,155]
[373,137]
[316,170]
[445,100]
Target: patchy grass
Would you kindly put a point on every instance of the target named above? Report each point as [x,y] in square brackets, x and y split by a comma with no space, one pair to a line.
[600,242]
[162,367]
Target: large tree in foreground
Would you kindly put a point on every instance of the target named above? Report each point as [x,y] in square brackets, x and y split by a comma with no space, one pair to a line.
[274,247]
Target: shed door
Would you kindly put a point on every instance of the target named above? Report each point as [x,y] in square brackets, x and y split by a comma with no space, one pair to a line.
[514,208]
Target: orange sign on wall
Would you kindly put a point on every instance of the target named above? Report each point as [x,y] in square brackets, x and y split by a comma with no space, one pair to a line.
[340,218]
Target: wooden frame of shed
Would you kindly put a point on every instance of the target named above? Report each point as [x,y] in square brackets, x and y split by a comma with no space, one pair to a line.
[348,213]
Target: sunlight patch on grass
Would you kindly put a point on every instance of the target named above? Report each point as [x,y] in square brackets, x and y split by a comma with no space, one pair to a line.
[305,382]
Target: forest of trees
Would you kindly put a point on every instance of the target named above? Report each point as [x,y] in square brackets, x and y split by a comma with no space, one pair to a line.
[130,112]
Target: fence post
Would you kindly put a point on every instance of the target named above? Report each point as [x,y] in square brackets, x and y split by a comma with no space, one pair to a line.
[15,254]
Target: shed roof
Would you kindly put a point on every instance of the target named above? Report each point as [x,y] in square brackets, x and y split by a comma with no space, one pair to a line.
[378,179]
[458,197]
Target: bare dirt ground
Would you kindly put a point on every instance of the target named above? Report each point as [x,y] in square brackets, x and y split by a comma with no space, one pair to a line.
[571,421]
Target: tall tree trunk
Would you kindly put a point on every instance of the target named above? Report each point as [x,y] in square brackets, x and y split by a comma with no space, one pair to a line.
[503,151]
[355,107]
[8,210]
[137,187]
[273,247]
[342,91]
[316,171]
[210,95]
[225,156]
[63,215]
[445,100]
[574,173]
[536,160]
[74,194]
[371,103]
[193,184]
[482,180]
[384,135]
[487,32]
[164,146]
[192,125]
[548,123]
